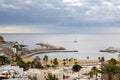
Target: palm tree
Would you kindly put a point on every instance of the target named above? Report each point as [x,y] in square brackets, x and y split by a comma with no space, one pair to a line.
[64,62]
[51,62]
[37,63]
[51,77]
[45,59]
[110,70]
[69,61]
[75,61]
[55,62]
[118,75]
[37,59]
[87,58]
[94,70]
[99,59]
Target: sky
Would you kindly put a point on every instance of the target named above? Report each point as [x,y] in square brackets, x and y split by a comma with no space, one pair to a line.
[59,16]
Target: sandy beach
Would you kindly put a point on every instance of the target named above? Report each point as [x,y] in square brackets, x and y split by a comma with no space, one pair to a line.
[68,62]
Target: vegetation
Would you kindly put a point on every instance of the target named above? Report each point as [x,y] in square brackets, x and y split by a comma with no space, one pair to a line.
[87,57]
[75,61]
[36,63]
[45,59]
[55,62]
[109,70]
[70,61]
[94,71]
[76,68]
[112,61]
[4,60]
[51,77]
[64,62]
[101,59]
[21,63]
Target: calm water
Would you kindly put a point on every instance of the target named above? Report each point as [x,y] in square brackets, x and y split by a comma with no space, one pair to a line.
[87,45]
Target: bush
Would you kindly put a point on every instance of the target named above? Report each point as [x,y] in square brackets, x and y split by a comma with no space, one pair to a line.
[76,68]
[47,65]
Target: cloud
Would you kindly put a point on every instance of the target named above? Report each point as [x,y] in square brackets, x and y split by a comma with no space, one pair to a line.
[61,14]
[83,10]
[73,3]
[16,29]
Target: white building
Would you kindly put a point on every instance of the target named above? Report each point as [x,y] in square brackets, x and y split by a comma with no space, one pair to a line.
[11,71]
[42,74]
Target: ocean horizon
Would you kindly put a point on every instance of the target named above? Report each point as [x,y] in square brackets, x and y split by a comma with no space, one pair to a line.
[88,45]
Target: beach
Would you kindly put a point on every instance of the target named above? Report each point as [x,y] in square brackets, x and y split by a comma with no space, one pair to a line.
[69,63]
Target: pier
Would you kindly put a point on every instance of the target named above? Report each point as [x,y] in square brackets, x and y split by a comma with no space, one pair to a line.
[34,52]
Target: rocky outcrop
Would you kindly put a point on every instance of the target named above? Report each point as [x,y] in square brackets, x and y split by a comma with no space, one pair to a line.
[1,40]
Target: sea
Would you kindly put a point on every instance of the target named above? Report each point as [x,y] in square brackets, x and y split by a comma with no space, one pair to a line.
[88,45]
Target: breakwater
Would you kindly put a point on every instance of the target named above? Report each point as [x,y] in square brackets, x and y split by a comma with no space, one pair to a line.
[45,51]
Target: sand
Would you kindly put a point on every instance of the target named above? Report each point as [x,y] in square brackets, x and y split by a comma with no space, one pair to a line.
[67,62]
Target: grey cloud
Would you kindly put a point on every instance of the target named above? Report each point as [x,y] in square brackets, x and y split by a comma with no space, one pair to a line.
[57,12]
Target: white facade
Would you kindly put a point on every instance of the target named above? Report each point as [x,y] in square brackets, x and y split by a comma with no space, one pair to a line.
[12,69]
[41,74]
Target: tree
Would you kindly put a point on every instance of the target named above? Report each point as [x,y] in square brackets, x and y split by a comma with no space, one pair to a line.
[118,75]
[69,61]
[76,68]
[51,62]
[99,59]
[37,59]
[75,61]
[4,60]
[102,59]
[87,57]
[45,59]
[55,62]
[112,61]
[64,62]
[110,70]
[21,63]
[94,70]
[19,60]
[51,77]
[36,63]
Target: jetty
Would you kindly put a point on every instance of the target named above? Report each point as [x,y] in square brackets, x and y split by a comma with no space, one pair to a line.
[49,46]
[34,52]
